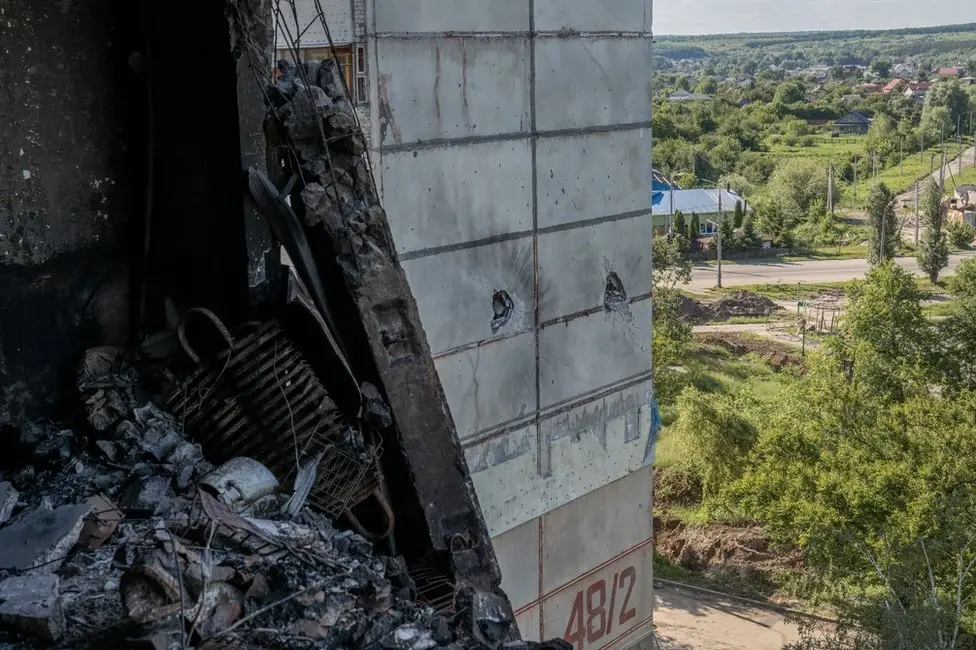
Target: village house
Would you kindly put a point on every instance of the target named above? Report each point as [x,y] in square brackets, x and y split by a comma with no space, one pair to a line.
[961,206]
[854,123]
[706,203]
[892,86]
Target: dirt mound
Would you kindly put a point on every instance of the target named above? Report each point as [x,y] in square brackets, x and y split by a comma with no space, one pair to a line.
[777,355]
[735,304]
[694,311]
[744,551]
[744,303]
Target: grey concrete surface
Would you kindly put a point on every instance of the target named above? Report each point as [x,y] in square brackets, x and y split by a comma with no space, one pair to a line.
[704,276]
[513,154]
[687,620]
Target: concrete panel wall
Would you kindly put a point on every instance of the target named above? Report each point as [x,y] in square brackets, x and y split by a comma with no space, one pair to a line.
[616,16]
[592,253]
[454,291]
[394,17]
[452,88]
[487,386]
[338,14]
[492,180]
[542,562]
[587,354]
[608,88]
[592,176]
[512,145]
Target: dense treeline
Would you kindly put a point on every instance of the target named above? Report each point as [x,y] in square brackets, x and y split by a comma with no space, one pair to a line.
[864,462]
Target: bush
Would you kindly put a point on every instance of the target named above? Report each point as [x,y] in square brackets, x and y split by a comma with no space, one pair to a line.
[807,141]
[790,140]
[775,139]
[961,235]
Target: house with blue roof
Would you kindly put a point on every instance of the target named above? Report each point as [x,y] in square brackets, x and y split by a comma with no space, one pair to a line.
[703,202]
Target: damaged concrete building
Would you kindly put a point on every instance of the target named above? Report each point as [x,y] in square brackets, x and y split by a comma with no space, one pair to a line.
[349,352]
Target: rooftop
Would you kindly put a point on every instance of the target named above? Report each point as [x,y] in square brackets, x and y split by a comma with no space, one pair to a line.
[701,201]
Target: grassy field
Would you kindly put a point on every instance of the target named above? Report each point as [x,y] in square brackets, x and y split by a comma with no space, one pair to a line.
[830,253]
[824,147]
[897,179]
[713,369]
[967,177]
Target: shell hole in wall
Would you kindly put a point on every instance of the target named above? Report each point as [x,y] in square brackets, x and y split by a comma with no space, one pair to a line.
[502,307]
[615,296]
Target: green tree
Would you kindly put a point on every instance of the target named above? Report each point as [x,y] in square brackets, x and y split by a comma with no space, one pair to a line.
[933,249]
[882,224]
[727,225]
[957,332]
[714,436]
[883,138]
[881,67]
[961,235]
[748,238]
[737,214]
[708,86]
[694,229]
[948,95]
[886,333]
[671,335]
[789,92]
[796,185]
[679,225]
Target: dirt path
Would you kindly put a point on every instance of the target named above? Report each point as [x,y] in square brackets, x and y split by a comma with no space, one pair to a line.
[772,331]
[687,620]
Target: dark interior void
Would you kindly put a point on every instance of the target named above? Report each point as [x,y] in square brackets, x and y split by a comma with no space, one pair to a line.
[143,200]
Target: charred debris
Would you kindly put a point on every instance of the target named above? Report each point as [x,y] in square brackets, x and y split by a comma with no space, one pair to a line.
[293,481]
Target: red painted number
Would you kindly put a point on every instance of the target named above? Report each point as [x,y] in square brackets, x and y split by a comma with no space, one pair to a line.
[590,620]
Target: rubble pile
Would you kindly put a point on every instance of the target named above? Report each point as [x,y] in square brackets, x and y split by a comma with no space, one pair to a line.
[736,304]
[120,533]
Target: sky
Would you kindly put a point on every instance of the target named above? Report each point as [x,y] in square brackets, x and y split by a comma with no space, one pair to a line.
[730,16]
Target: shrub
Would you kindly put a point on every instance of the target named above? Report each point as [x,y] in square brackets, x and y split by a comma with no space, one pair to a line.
[807,141]
[961,235]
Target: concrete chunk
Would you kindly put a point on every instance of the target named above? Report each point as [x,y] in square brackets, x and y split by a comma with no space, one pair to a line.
[8,500]
[32,604]
[41,538]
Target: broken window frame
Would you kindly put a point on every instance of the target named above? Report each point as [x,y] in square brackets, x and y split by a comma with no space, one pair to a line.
[361,89]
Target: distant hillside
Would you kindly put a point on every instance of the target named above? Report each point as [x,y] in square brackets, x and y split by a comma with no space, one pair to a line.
[938,45]
[931,46]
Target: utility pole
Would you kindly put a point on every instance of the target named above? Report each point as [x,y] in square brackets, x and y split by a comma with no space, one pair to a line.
[830,188]
[959,139]
[671,220]
[721,220]
[882,248]
[916,214]
[855,181]
[942,169]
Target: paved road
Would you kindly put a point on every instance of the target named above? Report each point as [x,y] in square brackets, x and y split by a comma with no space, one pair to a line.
[808,272]
[684,620]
